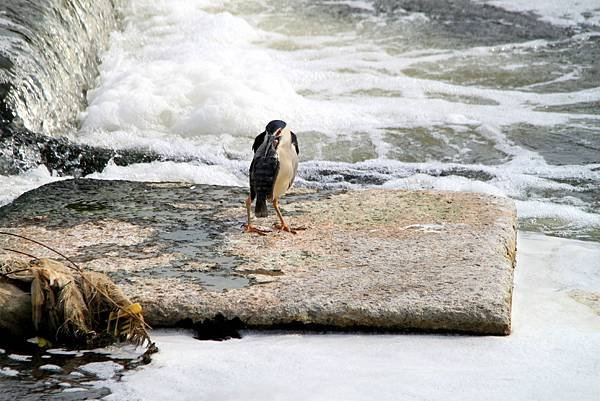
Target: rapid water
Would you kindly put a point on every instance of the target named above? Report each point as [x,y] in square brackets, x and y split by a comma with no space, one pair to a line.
[486,96]
[48,59]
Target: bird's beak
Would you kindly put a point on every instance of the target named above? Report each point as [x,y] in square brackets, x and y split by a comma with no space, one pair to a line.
[277,137]
[271,142]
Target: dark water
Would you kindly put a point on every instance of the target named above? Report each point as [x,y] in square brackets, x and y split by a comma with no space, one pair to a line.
[30,373]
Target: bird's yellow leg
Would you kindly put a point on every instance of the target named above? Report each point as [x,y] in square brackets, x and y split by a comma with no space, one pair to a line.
[248,227]
[283,226]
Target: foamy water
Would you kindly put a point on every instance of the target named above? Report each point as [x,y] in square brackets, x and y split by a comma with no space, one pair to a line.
[556,11]
[13,186]
[380,96]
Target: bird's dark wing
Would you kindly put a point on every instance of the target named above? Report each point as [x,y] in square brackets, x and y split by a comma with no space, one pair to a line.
[264,169]
[263,173]
[295,143]
[258,141]
[276,171]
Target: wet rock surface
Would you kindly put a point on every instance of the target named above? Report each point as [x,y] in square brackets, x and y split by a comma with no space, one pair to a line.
[376,260]
[22,149]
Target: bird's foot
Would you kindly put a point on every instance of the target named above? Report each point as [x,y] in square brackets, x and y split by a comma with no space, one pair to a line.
[251,229]
[285,227]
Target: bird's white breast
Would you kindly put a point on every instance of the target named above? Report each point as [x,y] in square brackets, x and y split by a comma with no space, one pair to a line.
[288,164]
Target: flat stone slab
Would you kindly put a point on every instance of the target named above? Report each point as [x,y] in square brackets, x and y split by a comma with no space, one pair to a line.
[388,260]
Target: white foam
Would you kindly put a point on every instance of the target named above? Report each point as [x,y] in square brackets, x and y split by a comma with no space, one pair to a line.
[62,351]
[20,358]
[50,368]
[120,351]
[170,171]
[73,389]
[103,370]
[558,12]
[450,183]
[567,213]
[552,354]
[517,179]
[361,5]
[14,185]
[8,372]
[517,185]
[179,70]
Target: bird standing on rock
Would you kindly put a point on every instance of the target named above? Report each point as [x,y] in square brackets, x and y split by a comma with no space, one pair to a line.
[272,172]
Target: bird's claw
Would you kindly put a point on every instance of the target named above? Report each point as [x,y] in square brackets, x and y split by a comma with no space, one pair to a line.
[285,227]
[252,229]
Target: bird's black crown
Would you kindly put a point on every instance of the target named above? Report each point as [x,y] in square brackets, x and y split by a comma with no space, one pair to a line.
[274,126]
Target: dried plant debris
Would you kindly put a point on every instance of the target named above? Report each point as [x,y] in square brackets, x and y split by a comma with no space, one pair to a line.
[75,307]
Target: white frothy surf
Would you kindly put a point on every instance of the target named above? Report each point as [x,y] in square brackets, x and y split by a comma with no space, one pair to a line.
[179,69]
[197,80]
[170,171]
[14,185]
[559,12]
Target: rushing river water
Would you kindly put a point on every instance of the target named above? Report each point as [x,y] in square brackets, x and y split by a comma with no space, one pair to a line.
[454,95]
[500,97]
